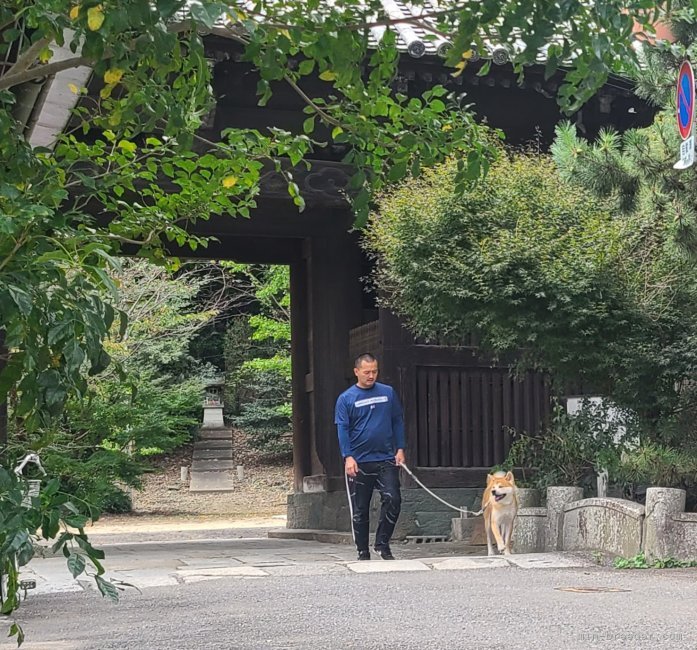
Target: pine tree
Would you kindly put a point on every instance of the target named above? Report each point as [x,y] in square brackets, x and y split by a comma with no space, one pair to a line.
[635,168]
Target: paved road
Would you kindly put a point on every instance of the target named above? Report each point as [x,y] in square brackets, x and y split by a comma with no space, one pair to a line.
[488,608]
[258,593]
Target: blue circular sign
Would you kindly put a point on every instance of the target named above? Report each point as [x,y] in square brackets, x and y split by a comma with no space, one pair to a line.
[685,99]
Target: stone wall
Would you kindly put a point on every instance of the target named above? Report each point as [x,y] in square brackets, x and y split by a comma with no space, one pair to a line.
[669,531]
[660,530]
[421,513]
[612,525]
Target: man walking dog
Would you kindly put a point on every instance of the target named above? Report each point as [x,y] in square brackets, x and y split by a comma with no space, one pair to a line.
[370,426]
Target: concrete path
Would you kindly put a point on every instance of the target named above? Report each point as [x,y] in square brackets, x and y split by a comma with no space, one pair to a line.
[155,564]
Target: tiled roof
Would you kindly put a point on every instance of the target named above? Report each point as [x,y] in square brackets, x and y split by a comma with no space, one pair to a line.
[417,40]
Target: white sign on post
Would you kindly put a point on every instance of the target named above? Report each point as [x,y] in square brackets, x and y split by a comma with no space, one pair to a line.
[687,154]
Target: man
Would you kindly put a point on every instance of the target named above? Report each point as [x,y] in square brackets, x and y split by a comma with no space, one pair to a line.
[371,439]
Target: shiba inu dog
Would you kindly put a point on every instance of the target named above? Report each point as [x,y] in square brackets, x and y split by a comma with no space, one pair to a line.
[500,505]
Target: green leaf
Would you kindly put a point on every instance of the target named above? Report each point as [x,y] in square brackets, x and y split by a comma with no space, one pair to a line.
[76,564]
[397,171]
[76,521]
[92,553]
[59,332]
[306,67]
[127,146]
[21,299]
[309,125]
[61,541]
[16,630]
[107,589]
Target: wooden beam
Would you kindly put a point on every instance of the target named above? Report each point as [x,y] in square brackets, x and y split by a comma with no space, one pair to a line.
[246,249]
[300,365]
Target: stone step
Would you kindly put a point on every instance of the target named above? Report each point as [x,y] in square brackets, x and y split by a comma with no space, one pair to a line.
[207,465]
[211,482]
[213,444]
[213,454]
[215,434]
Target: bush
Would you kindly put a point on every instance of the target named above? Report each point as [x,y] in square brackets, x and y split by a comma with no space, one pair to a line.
[257,362]
[265,412]
[544,273]
[573,448]
[655,465]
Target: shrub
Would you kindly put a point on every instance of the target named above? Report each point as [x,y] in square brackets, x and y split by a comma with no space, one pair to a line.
[572,449]
[265,412]
[543,272]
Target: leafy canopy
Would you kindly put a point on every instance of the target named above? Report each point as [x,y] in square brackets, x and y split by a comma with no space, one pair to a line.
[131,154]
[542,272]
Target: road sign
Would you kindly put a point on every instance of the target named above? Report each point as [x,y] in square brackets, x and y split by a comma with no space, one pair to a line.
[685,101]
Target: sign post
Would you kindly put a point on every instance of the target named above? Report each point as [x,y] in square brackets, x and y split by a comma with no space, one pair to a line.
[685,115]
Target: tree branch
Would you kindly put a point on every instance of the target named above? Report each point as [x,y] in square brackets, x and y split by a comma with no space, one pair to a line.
[324,115]
[27,58]
[10,80]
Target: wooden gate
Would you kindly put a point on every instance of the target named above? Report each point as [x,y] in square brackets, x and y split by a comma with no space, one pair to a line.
[463,415]
[459,406]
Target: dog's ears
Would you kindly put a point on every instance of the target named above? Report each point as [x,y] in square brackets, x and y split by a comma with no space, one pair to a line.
[509,477]
[489,478]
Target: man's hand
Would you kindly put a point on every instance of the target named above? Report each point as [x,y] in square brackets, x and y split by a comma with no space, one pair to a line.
[350,466]
[399,457]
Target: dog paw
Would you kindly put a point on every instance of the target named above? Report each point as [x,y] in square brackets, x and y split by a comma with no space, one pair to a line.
[506,552]
[502,549]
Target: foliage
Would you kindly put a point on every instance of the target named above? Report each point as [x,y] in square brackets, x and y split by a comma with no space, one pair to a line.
[258,367]
[639,561]
[635,169]
[50,516]
[102,442]
[546,276]
[265,412]
[660,466]
[573,448]
[131,144]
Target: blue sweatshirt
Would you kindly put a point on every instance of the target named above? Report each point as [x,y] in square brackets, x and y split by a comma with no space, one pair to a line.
[370,423]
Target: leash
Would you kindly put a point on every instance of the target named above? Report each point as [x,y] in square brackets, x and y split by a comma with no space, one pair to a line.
[469,513]
[348,495]
[462,511]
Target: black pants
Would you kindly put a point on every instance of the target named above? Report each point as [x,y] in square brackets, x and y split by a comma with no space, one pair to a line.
[385,477]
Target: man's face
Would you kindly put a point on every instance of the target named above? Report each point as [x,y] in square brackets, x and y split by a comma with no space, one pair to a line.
[366,373]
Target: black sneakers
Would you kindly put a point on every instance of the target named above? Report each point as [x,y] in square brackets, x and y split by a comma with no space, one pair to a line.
[384,552]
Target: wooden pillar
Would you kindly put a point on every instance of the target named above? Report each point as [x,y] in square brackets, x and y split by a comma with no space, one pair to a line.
[397,369]
[336,307]
[300,366]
